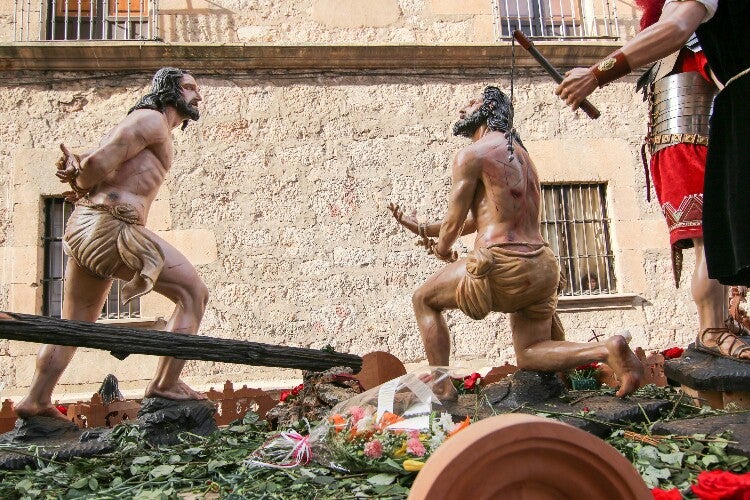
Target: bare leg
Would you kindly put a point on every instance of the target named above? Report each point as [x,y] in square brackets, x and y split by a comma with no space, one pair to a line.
[436,295]
[709,295]
[536,351]
[84,298]
[710,298]
[180,283]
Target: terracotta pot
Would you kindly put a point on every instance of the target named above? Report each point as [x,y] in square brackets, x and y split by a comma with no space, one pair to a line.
[524,457]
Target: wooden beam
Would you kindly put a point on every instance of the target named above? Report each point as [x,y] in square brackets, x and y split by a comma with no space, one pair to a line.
[121,341]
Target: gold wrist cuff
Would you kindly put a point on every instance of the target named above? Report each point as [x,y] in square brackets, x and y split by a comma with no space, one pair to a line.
[611,68]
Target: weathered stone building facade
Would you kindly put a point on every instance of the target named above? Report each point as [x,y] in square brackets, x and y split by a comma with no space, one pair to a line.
[316,114]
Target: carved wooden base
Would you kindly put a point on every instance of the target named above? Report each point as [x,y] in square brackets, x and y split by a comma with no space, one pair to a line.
[517,457]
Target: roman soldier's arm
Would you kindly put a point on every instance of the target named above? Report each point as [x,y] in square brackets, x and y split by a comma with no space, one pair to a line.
[678,21]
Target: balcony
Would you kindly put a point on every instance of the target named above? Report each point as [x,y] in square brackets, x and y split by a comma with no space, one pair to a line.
[52,20]
[569,20]
[58,35]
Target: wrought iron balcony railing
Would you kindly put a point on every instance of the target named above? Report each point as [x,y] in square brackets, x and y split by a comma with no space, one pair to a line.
[37,20]
[557,19]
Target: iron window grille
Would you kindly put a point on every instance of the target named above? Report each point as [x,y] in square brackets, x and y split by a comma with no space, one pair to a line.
[556,19]
[577,227]
[37,20]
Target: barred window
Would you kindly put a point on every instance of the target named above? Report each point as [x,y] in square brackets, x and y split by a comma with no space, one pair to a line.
[56,213]
[98,20]
[539,18]
[576,225]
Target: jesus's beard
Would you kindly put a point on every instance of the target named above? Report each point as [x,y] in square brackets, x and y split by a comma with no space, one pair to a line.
[186,109]
[467,126]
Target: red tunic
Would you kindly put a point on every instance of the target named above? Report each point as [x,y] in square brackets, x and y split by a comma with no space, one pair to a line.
[677,172]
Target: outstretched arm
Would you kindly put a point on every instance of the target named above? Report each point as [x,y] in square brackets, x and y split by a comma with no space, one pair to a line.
[427,229]
[465,178]
[677,23]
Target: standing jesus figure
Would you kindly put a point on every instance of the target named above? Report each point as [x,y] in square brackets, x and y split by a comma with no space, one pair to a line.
[114,186]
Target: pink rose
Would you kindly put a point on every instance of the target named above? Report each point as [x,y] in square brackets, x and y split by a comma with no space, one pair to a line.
[415,447]
[374,449]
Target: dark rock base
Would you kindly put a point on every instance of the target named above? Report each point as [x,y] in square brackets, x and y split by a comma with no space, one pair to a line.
[52,438]
[161,419]
[705,372]
[737,423]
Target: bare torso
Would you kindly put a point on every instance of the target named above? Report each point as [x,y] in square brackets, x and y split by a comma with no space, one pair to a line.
[137,179]
[506,204]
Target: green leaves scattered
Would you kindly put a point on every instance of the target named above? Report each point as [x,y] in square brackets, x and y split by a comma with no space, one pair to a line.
[212,467]
[676,461]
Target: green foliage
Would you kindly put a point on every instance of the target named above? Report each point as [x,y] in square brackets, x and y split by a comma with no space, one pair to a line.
[212,466]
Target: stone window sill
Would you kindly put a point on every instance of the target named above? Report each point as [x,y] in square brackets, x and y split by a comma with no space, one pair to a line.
[232,57]
[598,302]
[152,323]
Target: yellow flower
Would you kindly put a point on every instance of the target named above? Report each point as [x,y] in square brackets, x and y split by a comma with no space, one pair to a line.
[401,451]
[413,465]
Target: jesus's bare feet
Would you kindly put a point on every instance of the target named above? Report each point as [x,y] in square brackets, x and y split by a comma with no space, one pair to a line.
[26,409]
[627,367]
[178,392]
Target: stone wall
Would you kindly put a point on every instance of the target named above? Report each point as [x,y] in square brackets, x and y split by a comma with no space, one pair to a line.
[325,21]
[342,21]
[279,194]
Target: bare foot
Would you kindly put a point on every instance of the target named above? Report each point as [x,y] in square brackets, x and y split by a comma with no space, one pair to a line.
[178,392]
[627,367]
[26,409]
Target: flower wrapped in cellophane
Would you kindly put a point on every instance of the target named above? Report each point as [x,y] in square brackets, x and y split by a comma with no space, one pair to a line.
[392,428]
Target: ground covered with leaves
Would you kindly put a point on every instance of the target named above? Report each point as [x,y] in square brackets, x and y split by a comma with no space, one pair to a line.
[212,466]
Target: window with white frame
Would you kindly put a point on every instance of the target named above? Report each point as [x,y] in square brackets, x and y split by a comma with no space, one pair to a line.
[577,227]
[56,213]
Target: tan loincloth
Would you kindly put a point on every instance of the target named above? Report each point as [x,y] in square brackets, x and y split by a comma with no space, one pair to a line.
[498,279]
[101,238]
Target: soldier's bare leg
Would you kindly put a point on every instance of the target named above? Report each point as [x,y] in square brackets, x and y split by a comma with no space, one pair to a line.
[180,283]
[709,295]
[84,297]
[710,298]
[536,351]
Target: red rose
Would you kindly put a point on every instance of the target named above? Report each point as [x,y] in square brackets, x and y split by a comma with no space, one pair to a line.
[590,366]
[660,494]
[722,485]
[672,352]
[471,381]
[297,389]
[284,396]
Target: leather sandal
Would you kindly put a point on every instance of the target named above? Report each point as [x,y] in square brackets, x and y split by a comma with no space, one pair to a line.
[736,327]
[736,349]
